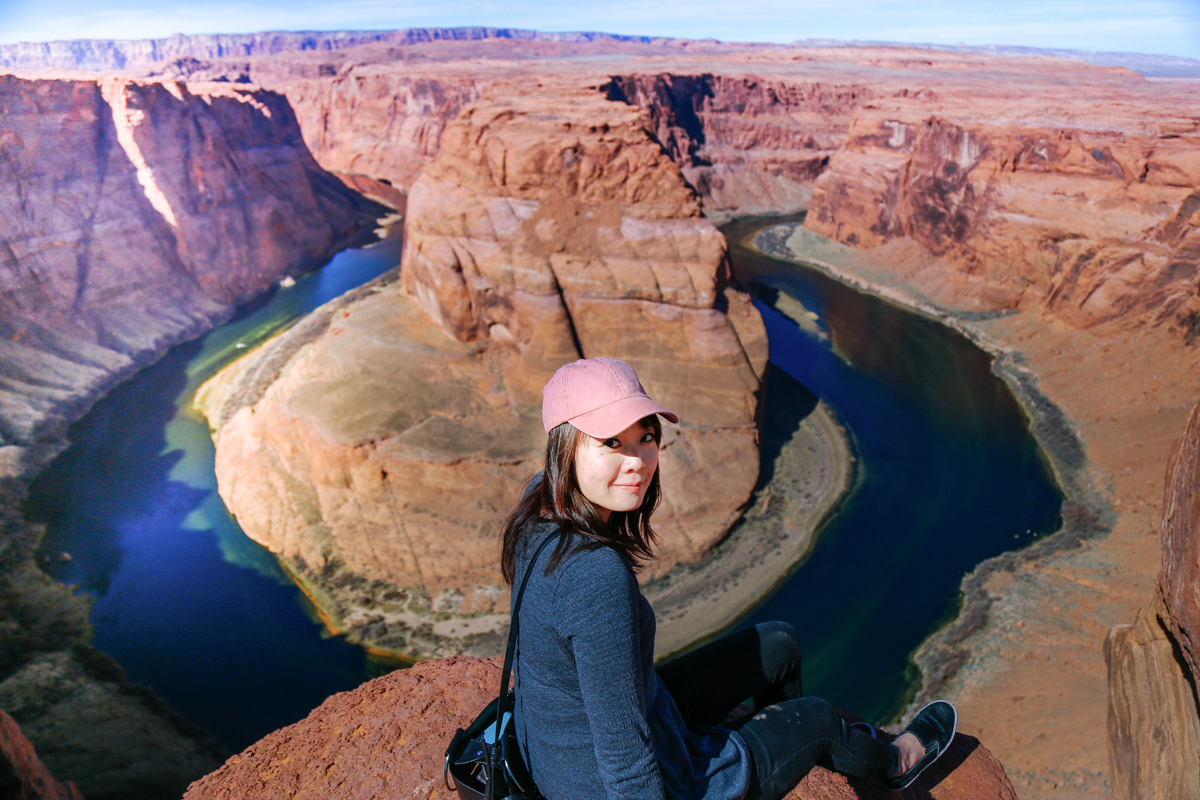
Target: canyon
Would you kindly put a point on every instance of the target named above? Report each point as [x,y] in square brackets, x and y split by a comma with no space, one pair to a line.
[137,215]
[1044,207]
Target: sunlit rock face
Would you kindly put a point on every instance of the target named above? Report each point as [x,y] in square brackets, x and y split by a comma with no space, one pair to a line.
[551,231]
[138,215]
[1050,201]
[1154,664]
[380,459]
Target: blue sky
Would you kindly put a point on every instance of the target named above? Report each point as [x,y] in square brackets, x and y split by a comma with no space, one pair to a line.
[1146,26]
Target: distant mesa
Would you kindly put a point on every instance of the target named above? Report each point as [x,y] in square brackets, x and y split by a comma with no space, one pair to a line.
[560,198]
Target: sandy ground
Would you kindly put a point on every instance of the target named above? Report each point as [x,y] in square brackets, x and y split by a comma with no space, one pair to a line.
[1034,685]
[814,469]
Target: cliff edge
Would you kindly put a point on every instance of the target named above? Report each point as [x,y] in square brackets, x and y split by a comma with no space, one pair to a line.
[1154,664]
[387,738]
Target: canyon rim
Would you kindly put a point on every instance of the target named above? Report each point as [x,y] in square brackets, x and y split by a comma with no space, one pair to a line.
[553,203]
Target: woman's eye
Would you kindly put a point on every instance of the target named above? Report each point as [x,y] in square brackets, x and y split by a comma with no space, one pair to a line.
[648,436]
[615,444]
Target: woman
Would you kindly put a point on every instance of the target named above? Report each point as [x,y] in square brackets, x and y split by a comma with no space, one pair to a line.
[594,717]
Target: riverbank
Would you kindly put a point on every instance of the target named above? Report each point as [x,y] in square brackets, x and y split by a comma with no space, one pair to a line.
[1023,659]
[109,733]
[813,471]
[806,453]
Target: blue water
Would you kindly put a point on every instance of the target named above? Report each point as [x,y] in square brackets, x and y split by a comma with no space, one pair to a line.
[183,600]
[188,605]
[948,475]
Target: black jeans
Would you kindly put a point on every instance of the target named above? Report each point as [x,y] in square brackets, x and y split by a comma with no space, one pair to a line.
[789,734]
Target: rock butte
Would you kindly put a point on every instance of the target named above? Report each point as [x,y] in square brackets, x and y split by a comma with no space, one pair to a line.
[388,736]
[1043,206]
[389,453]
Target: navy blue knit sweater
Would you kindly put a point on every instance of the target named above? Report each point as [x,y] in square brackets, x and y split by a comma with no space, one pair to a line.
[593,717]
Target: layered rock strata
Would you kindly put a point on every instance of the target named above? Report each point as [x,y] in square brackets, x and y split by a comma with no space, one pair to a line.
[388,737]
[1154,664]
[1091,218]
[1029,670]
[121,54]
[387,454]
[137,216]
[748,145]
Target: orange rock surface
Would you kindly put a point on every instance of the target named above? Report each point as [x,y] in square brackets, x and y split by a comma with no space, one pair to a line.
[24,776]
[1046,200]
[388,737]
[979,198]
[1056,193]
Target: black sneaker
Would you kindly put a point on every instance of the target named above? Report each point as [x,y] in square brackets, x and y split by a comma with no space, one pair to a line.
[934,728]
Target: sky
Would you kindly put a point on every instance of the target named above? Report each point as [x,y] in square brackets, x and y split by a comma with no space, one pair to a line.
[1170,27]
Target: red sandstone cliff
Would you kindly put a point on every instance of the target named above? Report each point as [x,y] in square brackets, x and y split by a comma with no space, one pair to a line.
[749,145]
[1055,230]
[1045,201]
[1154,664]
[387,738]
[136,215]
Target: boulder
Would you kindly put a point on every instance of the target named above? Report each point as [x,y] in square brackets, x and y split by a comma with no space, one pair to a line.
[388,737]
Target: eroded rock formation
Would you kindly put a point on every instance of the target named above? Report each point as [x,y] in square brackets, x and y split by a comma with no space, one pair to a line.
[1154,664]
[137,215]
[966,210]
[1090,217]
[380,461]
[388,737]
[120,54]
[748,145]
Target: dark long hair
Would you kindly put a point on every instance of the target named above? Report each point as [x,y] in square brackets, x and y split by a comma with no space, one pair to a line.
[556,498]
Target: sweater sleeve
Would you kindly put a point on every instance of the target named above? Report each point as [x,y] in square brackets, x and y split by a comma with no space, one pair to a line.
[597,611]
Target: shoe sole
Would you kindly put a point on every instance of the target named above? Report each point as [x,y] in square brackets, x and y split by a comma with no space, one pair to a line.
[902,782]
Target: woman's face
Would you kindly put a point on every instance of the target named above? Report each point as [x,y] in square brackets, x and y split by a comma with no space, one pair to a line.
[613,474]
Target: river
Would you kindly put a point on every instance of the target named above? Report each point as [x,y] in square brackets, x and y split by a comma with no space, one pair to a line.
[947,475]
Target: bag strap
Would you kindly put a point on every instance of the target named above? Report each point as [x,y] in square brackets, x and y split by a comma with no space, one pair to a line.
[513,628]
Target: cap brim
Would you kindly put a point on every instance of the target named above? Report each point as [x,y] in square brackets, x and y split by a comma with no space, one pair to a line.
[618,415]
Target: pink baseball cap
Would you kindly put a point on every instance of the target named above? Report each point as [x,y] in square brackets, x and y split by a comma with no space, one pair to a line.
[599,396]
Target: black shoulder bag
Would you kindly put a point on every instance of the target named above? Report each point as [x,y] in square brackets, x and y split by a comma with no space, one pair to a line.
[485,759]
